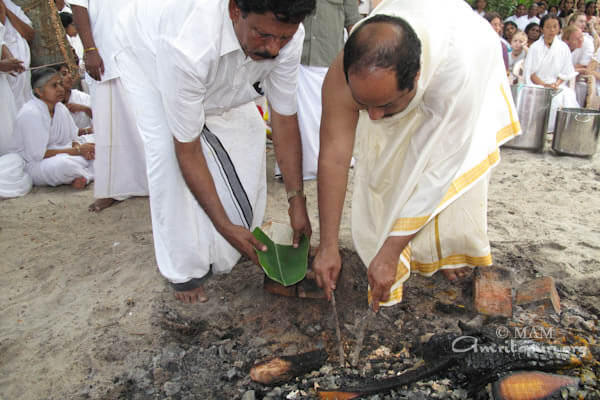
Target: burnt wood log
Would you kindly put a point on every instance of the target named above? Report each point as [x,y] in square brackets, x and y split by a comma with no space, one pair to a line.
[477,357]
[285,368]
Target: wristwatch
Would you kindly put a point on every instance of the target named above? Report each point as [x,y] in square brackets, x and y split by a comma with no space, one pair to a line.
[293,193]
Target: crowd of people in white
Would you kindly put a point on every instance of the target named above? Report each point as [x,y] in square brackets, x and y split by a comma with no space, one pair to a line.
[551,46]
[46,132]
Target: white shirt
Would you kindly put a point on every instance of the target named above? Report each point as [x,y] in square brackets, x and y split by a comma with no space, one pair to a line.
[16,43]
[516,19]
[191,51]
[523,21]
[103,14]
[549,63]
[584,54]
[75,42]
[82,120]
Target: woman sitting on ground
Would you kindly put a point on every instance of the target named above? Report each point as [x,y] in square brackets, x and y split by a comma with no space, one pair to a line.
[533,33]
[518,53]
[46,136]
[548,64]
[510,28]
[78,102]
[496,22]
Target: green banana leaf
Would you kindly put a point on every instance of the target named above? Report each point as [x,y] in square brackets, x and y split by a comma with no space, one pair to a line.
[283,263]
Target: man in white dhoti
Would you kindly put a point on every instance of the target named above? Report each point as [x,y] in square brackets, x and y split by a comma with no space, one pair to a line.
[427,127]
[120,166]
[13,179]
[548,64]
[46,137]
[323,39]
[191,68]
[19,33]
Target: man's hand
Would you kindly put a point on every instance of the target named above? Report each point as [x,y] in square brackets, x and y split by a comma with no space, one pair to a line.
[244,241]
[94,64]
[327,266]
[11,65]
[299,219]
[382,270]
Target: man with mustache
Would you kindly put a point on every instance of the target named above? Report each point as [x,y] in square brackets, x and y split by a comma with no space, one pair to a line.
[192,69]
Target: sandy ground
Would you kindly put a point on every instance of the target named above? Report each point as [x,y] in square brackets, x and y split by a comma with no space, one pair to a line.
[79,290]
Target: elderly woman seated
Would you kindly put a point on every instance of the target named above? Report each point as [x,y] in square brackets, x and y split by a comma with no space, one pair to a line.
[47,138]
[548,64]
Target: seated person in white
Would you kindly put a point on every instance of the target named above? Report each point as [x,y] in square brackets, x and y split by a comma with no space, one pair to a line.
[46,136]
[519,49]
[594,69]
[582,55]
[548,64]
[78,102]
[530,18]
[72,36]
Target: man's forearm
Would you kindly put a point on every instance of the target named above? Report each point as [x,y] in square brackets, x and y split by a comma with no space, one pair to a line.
[332,180]
[200,182]
[24,30]
[81,19]
[288,149]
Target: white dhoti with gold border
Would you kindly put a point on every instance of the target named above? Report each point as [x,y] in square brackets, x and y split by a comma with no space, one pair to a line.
[425,170]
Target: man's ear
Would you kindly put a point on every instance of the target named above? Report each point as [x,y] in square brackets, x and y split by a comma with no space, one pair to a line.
[417,76]
[234,11]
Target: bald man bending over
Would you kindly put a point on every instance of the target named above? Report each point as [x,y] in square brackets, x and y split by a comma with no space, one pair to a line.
[425,104]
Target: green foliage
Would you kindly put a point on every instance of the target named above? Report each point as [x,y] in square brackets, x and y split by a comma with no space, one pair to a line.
[506,8]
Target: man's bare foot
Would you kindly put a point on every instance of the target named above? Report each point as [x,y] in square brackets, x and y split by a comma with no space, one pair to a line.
[79,183]
[457,273]
[101,204]
[192,296]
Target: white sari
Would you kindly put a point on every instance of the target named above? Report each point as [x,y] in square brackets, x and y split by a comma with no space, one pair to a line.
[36,132]
[550,64]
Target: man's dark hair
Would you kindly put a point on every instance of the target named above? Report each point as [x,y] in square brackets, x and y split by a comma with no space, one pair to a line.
[546,18]
[287,11]
[66,19]
[402,53]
